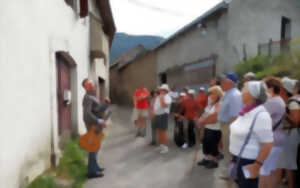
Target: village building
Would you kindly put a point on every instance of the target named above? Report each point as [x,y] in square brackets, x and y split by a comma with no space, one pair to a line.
[47,48]
[211,45]
[134,68]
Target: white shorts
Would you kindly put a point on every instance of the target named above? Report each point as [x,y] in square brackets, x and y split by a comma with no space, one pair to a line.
[270,164]
[139,113]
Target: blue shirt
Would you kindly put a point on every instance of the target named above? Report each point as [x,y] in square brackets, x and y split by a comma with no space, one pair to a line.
[231,105]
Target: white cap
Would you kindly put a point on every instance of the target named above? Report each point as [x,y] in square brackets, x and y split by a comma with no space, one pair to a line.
[182,94]
[165,87]
[202,89]
[250,74]
[191,91]
[288,84]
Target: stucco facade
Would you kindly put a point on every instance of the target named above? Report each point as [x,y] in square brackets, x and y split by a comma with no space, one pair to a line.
[232,32]
[126,80]
[32,33]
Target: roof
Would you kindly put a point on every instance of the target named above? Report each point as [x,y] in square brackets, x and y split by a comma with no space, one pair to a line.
[219,6]
[109,27]
[129,56]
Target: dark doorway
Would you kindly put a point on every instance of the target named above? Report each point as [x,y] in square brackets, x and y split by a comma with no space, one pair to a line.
[285,28]
[101,89]
[163,78]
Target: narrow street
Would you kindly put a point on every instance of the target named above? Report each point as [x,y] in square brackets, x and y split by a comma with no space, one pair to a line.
[131,163]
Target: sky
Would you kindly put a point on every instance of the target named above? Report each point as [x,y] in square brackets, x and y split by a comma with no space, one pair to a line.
[157,17]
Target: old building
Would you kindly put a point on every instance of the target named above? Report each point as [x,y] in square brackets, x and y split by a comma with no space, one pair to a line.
[47,48]
[217,40]
[134,68]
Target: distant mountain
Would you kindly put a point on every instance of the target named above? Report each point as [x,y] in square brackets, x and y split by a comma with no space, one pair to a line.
[124,42]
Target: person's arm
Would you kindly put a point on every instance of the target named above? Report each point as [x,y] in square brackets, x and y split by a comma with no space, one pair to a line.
[91,115]
[264,135]
[293,117]
[262,156]
[212,118]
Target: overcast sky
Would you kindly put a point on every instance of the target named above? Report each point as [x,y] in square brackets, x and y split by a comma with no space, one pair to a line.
[157,17]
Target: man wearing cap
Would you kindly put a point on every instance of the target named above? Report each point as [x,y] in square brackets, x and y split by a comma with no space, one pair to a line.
[231,105]
[189,110]
[250,76]
[162,106]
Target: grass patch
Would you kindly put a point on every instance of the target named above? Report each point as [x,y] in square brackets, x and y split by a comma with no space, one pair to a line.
[43,181]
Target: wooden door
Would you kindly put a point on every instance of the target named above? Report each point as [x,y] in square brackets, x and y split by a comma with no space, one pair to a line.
[63,76]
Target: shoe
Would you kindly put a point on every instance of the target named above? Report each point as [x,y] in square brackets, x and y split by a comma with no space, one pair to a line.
[98,175]
[164,150]
[184,146]
[204,162]
[212,165]
[138,134]
[220,156]
[152,144]
[101,169]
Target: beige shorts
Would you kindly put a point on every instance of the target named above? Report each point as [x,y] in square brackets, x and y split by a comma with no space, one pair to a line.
[139,113]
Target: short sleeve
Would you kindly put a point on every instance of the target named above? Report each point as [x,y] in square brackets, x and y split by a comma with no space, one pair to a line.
[294,106]
[263,128]
[168,99]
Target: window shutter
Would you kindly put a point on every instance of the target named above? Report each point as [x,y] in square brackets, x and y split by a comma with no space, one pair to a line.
[84,8]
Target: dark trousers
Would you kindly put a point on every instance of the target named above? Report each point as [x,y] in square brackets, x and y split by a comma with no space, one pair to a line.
[211,141]
[153,129]
[242,181]
[93,167]
[191,133]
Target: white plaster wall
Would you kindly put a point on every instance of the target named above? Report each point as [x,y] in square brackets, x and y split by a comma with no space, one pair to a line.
[31,31]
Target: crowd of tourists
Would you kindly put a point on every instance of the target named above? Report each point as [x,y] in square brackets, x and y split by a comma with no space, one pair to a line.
[255,129]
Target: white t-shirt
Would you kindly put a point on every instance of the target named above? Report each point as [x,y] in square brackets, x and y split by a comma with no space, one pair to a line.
[208,111]
[174,95]
[262,133]
[158,109]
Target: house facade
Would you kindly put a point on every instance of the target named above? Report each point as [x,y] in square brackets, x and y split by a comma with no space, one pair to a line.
[223,36]
[47,48]
[134,68]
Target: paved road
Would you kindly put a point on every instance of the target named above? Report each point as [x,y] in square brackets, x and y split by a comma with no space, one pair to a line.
[131,163]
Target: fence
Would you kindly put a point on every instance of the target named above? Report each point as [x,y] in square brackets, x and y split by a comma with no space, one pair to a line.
[275,48]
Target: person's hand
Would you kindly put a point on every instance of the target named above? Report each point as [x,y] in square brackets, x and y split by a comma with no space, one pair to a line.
[200,122]
[103,124]
[254,170]
[107,101]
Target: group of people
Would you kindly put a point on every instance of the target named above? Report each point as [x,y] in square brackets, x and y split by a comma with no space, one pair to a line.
[256,129]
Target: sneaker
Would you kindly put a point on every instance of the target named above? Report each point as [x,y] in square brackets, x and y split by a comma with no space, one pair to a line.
[204,162]
[185,145]
[212,165]
[97,175]
[220,156]
[164,150]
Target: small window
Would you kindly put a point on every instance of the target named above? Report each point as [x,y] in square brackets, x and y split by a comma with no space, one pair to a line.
[285,28]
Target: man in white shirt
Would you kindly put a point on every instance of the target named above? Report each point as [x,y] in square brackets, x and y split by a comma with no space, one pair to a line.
[162,106]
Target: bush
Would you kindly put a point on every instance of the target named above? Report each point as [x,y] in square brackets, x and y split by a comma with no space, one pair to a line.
[72,164]
[43,181]
[280,66]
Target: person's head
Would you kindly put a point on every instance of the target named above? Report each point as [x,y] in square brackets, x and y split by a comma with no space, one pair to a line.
[154,93]
[88,85]
[288,86]
[274,85]
[173,89]
[229,81]
[191,93]
[201,90]
[250,76]
[164,89]
[215,94]
[181,96]
[297,88]
[254,93]
[185,90]
[215,82]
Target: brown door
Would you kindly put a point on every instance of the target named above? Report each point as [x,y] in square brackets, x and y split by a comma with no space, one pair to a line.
[101,89]
[63,83]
